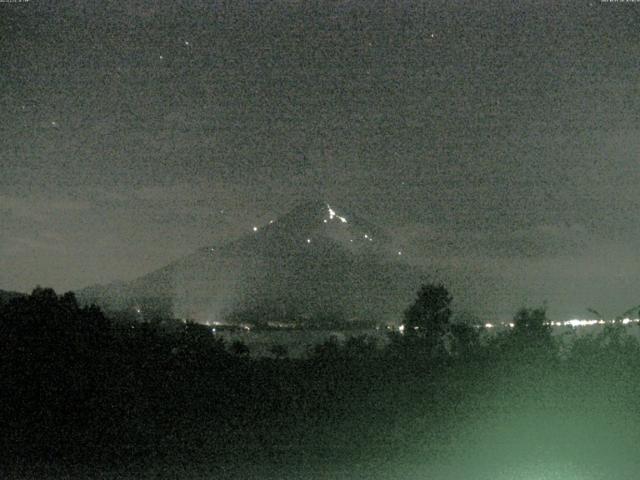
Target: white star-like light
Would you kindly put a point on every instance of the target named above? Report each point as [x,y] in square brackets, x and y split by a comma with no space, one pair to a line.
[255,229]
[333,214]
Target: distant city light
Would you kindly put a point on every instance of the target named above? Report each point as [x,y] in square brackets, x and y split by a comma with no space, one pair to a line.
[574,323]
[255,229]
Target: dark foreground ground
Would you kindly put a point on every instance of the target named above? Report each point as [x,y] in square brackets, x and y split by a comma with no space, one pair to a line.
[344,422]
[86,400]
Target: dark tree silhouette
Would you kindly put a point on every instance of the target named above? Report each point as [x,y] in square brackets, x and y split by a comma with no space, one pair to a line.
[78,387]
[279,351]
[465,340]
[239,348]
[360,348]
[430,314]
[329,349]
[533,325]
[530,341]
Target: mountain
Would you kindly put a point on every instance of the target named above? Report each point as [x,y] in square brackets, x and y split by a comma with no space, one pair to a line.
[313,264]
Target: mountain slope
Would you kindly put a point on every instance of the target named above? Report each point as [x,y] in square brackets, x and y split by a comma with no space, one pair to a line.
[312,262]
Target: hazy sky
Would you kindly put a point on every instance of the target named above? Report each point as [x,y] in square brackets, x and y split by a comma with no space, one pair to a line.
[499,140]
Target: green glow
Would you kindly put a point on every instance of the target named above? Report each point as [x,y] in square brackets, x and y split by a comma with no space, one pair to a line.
[551,471]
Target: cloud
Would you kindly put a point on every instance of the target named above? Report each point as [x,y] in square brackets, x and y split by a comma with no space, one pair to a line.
[494,271]
[544,240]
[41,208]
[21,245]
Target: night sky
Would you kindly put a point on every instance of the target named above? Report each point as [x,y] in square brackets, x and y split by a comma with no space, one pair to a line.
[499,142]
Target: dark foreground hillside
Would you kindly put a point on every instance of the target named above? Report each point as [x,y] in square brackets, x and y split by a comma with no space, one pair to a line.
[84,397]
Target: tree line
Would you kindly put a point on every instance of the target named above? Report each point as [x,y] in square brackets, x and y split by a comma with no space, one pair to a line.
[81,387]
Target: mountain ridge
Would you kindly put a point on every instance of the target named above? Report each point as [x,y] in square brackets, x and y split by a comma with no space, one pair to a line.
[312,261]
